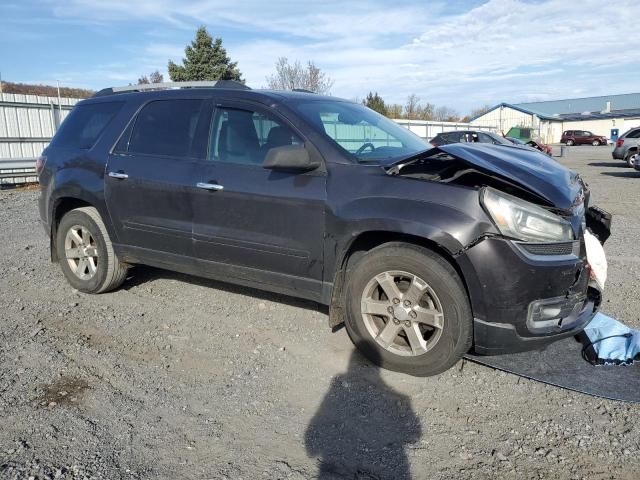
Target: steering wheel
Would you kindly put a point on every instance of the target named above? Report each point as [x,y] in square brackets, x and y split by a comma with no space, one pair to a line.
[364,147]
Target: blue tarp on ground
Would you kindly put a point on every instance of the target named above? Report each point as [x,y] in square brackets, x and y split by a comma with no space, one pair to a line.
[611,342]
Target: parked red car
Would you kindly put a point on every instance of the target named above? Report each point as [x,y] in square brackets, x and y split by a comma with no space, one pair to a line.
[582,137]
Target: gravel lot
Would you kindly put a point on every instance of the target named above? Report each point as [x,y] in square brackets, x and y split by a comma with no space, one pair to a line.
[178,377]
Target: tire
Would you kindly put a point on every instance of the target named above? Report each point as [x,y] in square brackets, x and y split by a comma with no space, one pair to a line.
[441,347]
[596,143]
[81,234]
[570,143]
[630,157]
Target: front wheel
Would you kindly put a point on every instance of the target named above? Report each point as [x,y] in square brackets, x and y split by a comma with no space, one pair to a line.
[86,254]
[596,143]
[570,142]
[407,310]
[630,158]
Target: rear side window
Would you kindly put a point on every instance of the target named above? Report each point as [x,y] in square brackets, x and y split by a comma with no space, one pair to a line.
[84,125]
[166,127]
[633,134]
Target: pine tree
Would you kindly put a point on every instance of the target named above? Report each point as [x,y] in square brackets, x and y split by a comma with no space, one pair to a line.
[205,59]
[375,102]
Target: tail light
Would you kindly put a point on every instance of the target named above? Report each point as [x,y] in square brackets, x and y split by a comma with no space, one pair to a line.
[40,162]
[619,142]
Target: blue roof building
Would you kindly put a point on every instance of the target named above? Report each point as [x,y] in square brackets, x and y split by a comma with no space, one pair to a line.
[601,115]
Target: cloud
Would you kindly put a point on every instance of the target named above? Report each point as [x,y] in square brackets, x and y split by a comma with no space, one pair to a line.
[459,54]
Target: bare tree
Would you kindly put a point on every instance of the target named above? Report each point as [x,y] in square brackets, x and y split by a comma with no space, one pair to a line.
[425,112]
[394,110]
[154,77]
[295,76]
[445,114]
[412,106]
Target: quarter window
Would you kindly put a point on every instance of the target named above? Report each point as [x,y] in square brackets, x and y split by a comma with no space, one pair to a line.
[245,136]
[82,128]
[166,127]
[634,134]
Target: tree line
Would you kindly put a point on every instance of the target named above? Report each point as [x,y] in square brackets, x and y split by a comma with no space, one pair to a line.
[206,59]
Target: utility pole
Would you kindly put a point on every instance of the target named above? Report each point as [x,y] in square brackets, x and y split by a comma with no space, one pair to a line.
[59,105]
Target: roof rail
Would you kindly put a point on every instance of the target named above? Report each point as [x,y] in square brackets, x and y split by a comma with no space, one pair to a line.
[171,85]
[303,90]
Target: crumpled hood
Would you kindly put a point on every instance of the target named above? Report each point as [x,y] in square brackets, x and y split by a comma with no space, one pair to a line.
[531,170]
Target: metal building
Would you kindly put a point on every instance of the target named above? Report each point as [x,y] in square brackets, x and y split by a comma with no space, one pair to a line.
[549,119]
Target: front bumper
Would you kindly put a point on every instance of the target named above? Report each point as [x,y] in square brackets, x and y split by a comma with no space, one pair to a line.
[499,338]
[513,287]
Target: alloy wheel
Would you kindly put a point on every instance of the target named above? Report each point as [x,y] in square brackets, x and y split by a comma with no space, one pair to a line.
[81,252]
[402,313]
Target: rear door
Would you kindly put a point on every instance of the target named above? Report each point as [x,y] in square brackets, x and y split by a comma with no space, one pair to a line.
[581,137]
[260,225]
[150,174]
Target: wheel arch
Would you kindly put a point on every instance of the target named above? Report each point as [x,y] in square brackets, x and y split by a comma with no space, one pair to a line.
[366,241]
[63,205]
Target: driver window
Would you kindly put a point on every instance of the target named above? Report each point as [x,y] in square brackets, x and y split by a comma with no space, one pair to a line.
[245,136]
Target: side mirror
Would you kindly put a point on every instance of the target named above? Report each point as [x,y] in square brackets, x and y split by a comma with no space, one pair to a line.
[289,157]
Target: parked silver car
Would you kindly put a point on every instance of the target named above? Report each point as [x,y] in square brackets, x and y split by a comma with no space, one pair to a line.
[627,147]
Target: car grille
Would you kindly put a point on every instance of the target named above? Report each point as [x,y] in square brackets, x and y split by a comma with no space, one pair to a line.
[562,248]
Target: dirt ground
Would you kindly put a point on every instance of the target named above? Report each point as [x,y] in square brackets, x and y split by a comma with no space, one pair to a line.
[178,377]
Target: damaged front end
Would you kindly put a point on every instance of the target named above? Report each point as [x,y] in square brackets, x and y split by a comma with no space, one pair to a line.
[533,281]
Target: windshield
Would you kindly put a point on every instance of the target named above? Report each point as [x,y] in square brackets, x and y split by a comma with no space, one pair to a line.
[363,133]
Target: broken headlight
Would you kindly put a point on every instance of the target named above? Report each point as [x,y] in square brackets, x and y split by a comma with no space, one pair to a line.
[523,220]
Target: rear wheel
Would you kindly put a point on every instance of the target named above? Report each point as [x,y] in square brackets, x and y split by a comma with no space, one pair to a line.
[407,310]
[86,254]
[630,158]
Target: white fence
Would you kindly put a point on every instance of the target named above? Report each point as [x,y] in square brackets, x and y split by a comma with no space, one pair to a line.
[27,123]
[427,129]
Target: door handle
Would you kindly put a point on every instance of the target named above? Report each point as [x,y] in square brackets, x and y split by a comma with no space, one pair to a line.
[209,186]
[118,175]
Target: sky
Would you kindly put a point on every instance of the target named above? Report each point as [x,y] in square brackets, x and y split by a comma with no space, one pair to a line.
[462,54]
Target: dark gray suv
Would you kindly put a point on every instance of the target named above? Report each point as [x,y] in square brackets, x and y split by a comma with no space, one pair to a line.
[423,253]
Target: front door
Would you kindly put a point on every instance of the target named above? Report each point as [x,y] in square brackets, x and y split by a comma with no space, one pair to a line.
[268,225]
[150,175]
